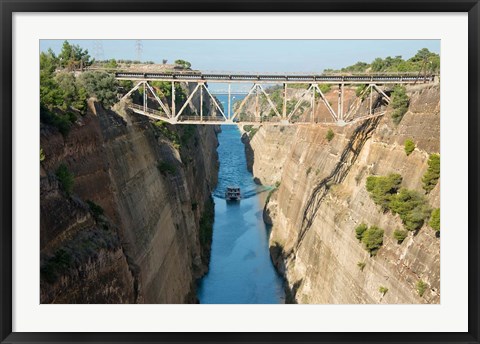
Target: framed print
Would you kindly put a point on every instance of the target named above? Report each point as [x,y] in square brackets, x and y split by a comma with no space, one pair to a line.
[238,172]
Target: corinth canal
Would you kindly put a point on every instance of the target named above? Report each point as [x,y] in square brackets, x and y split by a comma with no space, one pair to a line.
[241,271]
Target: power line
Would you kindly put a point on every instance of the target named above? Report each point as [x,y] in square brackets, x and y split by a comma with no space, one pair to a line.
[139,49]
[98,50]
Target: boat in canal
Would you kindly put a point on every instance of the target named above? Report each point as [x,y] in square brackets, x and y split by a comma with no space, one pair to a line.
[232,193]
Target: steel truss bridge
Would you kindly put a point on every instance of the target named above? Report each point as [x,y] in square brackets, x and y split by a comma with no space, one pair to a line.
[168,112]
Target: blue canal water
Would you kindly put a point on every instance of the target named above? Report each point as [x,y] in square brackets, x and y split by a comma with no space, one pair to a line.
[241,271]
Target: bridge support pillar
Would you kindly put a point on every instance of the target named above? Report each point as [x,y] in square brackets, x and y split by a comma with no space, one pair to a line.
[256,101]
[201,103]
[312,118]
[371,100]
[229,100]
[340,105]
[145,96]
[174,114]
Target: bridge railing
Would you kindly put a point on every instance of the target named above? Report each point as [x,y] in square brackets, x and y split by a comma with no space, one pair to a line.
[203,118]
[279,78]
[148,110]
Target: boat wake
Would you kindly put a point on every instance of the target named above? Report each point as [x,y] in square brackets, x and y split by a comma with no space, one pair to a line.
[246,193]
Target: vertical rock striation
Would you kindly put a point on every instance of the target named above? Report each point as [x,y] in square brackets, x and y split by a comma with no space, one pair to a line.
[129,232]
[322,198]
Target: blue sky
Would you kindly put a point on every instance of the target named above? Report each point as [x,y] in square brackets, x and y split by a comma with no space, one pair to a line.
[256,55]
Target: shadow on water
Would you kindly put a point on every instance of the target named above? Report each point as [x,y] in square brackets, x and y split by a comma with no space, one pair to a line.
[241,271]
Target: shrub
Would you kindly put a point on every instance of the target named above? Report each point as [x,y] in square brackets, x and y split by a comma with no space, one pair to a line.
[250,130]
[435,219]
[253,132]
[373,239]
[270,193]
[42,155]
[361,265]
[112,63]
[412,208]
[382,188]
[309,170]
[65,178]
[183,63]
[409,146]
[383,290]
[169,134]
[96,210]
[431,176]
[277,184]
[400,235]
[330,135]
[62,122]
[361,228]
[166,168]
[399,103]
[325,88]
[359,89]
[56,266]
[421,287]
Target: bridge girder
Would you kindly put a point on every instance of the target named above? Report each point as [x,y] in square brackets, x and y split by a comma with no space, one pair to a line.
[281,117]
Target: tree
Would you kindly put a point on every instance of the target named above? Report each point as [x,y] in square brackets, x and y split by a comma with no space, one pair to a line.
[66,54]
[399,103]
[48,62]
[103,86]
[73,57]
[67,87]
[50,94]
[412,208]
[423,61]
[373,239]
[65,178]
[400,235]
[183,63]
[112,63]
[435,220]
[421,55]
[382,188]
[359,230]
[377,65]
[431,176]
[409,146]
[330,135]
[421,287]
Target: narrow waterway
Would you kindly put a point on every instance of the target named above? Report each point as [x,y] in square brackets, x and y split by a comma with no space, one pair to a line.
[241,271]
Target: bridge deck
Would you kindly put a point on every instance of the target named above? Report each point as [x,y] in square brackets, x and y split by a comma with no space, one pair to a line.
[406,78]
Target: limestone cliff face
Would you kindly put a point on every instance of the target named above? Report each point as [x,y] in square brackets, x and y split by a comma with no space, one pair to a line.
[322,198]
[145,245]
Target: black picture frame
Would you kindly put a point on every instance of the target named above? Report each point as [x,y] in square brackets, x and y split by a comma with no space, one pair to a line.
[8,7]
